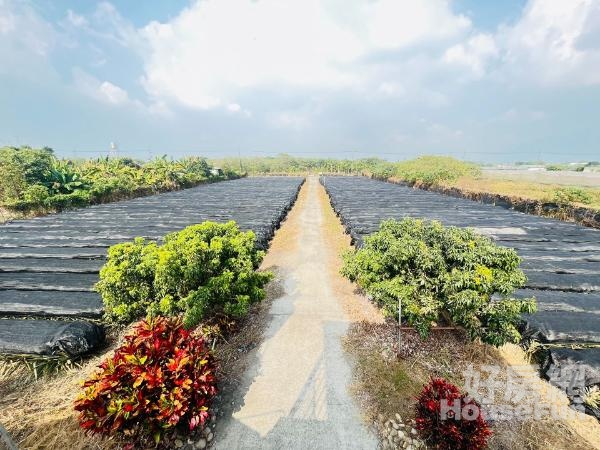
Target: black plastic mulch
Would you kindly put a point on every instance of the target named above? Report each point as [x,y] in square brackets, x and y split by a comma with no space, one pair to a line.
[561,260]
[48,265]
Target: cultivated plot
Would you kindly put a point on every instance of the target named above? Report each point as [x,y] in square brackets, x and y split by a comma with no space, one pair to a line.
[561,260]
[49,265]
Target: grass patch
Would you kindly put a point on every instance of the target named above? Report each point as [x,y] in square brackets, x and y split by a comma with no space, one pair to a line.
[530,190]
[388,377]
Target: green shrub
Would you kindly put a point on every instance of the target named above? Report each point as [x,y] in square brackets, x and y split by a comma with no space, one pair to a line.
[201,270]
[568,195]
[79,183]
[64,179]
[58,202]
[36,193]
[441,274]
[434,169]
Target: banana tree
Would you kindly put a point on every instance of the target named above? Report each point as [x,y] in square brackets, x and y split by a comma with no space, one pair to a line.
[62,179]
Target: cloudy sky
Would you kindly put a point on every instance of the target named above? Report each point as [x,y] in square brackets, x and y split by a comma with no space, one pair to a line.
[484,80]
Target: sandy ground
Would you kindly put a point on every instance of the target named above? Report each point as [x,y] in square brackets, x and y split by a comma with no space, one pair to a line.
[295,391]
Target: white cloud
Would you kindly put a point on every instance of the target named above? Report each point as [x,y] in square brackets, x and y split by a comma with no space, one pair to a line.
[391,89]
[75,19]
[295,120]
[103,91]
[554,42]
[473,54]
[24,33]
[208,55]
[112,93]
[394,24]
[7,19]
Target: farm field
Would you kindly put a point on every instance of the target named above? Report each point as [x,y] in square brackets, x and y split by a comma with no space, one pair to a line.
[294,381]
[561,177]
[547,187]
[561,260]
[48,265]
[242,224]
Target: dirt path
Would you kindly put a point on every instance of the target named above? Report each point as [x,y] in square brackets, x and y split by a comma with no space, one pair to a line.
[295,392]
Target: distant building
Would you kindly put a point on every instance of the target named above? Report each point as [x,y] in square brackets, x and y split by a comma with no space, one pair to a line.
[216,172]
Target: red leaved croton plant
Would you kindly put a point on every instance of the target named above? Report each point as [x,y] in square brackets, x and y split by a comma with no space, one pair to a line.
[450,420]
[162,376]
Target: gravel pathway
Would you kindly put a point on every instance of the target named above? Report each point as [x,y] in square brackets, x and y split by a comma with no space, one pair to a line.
[295,393]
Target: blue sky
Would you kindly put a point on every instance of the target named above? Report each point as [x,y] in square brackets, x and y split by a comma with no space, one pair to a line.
[481,80]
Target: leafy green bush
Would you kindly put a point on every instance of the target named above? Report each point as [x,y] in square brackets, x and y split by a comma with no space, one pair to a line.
[80,183]
[568,195]
[434,169]
[201,270]
[287,164]
[36,193]
[21,167]
[64,179]
[441,274]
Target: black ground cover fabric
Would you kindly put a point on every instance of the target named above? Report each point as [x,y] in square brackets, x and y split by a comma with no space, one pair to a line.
[49,337]
[561,259]
[48,265]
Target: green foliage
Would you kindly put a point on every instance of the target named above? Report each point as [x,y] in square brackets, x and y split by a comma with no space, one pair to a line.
[202,270]
[63,179]
[21,167]
[286,164]
[36,193]
[80,183]
[434,170]
[441,274]
[569,195]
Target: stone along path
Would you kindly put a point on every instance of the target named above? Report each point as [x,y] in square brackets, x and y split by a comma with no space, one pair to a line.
[295,392]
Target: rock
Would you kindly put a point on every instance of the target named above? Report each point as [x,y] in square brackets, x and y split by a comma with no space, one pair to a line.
[395,425]
[413,431]
[201,444]
[399,418]
[209,436]
[401,434]
[178,443]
